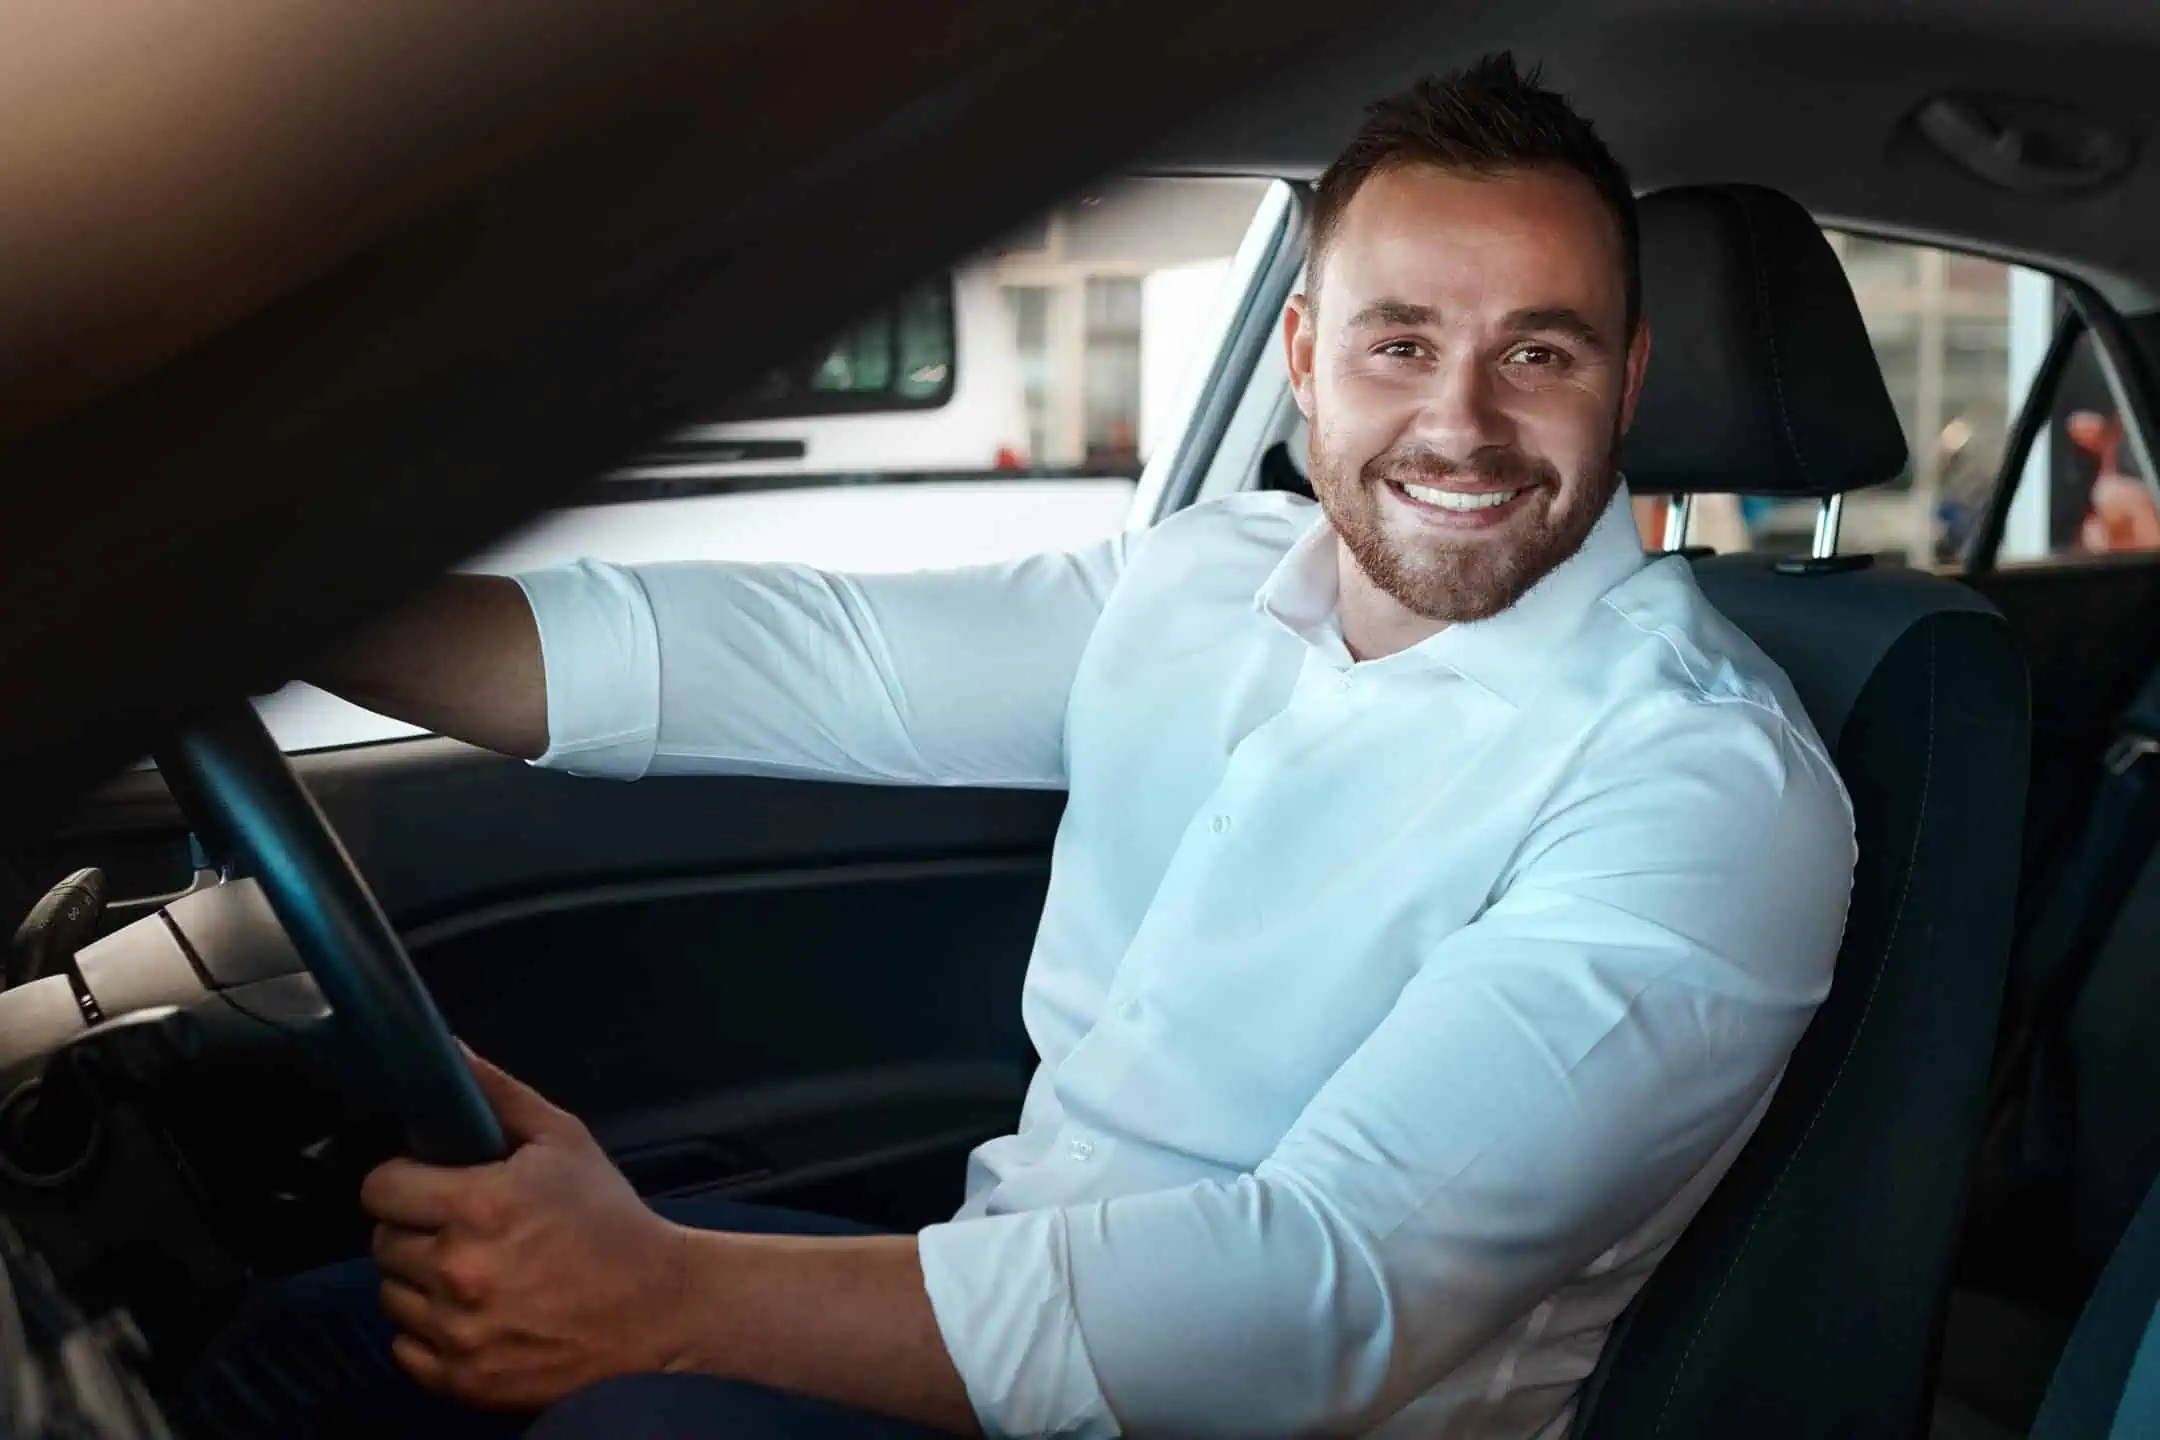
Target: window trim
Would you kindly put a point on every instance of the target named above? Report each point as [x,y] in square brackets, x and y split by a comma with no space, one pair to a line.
[2034,411]
[1268,265]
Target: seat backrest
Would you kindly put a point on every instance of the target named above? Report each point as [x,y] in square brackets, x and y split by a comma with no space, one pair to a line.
[1806,1298]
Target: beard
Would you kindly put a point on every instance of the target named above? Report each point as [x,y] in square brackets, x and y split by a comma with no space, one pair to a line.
[1477,576]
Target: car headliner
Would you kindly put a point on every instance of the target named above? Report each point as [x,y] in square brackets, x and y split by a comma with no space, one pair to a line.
[357,356]
[1808,96]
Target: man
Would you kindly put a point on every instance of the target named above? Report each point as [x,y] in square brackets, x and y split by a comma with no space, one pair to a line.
[1440,893]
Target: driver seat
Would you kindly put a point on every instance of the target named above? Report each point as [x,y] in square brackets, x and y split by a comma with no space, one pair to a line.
[1806,1300]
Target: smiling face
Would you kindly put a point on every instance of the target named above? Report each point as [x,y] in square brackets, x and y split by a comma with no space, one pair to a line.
[1464,360]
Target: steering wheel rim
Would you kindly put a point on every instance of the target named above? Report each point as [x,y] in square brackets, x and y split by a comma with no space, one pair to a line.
[236,787]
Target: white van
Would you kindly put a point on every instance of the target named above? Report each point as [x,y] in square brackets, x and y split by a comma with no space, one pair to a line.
[930,384]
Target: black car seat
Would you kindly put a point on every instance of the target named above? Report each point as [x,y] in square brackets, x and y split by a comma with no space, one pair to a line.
[1806,1299]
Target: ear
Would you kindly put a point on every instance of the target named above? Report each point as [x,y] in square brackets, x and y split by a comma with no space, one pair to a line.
[1638,365]
[1299,336]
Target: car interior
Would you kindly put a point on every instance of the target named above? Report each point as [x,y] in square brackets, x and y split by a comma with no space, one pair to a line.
[237,991]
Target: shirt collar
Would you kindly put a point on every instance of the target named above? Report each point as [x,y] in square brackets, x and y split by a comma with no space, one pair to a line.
[1502,654]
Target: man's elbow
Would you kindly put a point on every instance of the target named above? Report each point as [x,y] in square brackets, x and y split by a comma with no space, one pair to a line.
[1301,1334]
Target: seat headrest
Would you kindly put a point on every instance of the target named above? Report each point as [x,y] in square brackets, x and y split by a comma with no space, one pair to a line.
[1762,380]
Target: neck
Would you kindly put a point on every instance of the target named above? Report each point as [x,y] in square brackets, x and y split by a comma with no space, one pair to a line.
[1374,623]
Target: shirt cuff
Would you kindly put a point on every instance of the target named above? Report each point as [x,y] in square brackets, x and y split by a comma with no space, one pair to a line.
[600,647]
[1001,1289]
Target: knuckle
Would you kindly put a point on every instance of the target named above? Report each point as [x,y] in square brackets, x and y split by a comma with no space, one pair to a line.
[466,1275]
[464,1337]
[480,1208]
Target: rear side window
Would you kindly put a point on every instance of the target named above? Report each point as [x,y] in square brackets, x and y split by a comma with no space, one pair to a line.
[1960,339]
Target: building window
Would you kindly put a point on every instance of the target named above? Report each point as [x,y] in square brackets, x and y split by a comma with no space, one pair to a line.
[1112,363]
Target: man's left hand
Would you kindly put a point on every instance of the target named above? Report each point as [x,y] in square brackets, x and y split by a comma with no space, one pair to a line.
[516,1283]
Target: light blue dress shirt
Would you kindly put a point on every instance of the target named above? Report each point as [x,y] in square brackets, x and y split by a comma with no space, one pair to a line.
[1394,1017]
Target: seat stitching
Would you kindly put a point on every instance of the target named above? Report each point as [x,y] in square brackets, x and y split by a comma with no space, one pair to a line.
[1769,334]
[1897,920]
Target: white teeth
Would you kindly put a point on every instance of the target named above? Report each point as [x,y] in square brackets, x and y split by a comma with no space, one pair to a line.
[1457,500]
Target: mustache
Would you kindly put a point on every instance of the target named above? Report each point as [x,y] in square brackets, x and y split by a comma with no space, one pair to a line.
[1503,467]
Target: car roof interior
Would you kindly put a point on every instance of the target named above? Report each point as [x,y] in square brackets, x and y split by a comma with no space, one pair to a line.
[1812,97]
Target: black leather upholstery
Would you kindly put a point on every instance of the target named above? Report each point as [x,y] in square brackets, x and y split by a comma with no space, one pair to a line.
[1806,1299]
[1761,380]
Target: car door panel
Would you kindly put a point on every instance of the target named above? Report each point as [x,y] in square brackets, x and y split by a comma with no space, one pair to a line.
[799,991]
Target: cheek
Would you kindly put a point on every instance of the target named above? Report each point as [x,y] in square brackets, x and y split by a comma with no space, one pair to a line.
[1567,426]
[1359,407]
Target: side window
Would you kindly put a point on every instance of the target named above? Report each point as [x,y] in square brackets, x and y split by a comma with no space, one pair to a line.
[1003,408]
[1960,339]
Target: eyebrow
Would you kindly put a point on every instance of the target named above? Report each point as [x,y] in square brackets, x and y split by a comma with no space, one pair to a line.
[1393,312]
[1560,320]
[1557,320]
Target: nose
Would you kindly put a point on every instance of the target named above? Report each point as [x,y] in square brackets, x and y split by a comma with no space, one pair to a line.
[1460,411]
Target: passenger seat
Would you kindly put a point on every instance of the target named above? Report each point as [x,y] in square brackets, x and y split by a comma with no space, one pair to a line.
[1806,1298]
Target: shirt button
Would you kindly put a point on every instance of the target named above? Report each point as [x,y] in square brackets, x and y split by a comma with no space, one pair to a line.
[1343,683]
[1129,1011]
[1219,824]
[1081,1149]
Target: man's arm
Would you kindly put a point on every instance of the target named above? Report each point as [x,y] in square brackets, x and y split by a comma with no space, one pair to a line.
[843,1319]
[955,677]
[462,658]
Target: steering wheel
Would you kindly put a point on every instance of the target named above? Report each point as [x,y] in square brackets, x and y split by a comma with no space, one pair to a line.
[248,807]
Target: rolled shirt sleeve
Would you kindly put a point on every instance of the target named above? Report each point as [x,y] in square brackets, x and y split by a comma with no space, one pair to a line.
[600,646]
[1550,1078]
[957,677]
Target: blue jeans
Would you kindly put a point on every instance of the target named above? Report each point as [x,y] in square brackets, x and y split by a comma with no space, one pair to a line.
[310,1356]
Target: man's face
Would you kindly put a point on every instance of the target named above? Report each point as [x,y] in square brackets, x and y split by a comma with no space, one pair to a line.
[1464,363]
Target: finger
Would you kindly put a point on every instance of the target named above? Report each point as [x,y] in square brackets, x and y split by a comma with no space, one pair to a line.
[525,1113]
[407,1254]
[410,1309]
[413,1196]
[420,1361]
[2087,429]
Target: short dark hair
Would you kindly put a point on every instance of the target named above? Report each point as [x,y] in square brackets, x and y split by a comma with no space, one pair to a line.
[1485,119]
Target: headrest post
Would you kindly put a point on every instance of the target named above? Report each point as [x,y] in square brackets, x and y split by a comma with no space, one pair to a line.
[1677,510]
[1826,528]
